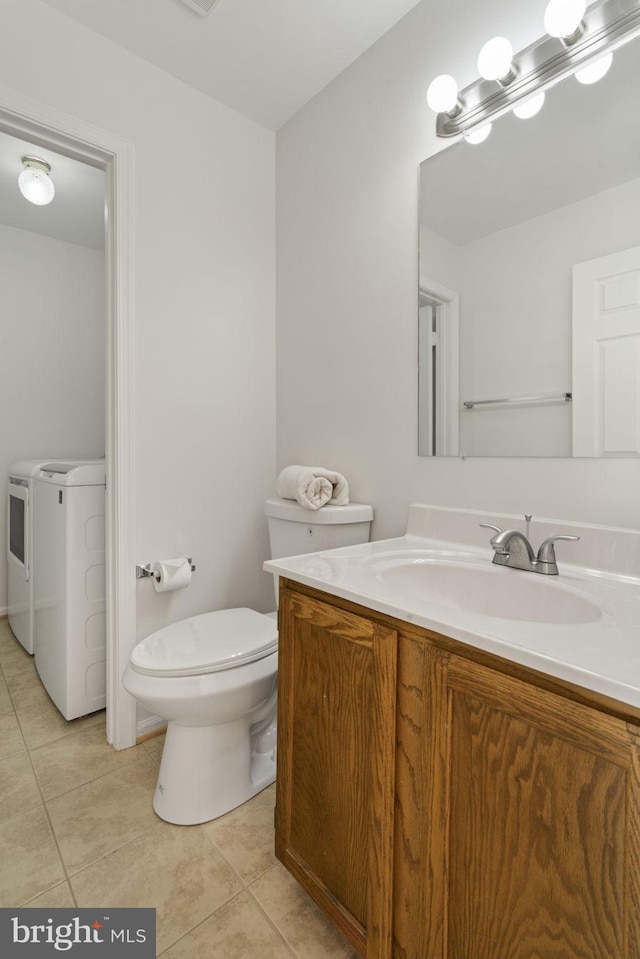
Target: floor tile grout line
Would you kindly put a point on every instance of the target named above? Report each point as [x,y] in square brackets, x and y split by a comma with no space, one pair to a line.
[62,882]
[94,862]
[50,742]
[52,830]
[95,779]
[13,705]
[201,922]
[13,702]
[30,662]
[91,865]
[42,802]
[45,810]
[146,829]
[244,888]
[271,921]
[224,858]
[45,800]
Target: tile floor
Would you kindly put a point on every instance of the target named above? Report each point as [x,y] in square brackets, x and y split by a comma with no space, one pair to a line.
[77,829]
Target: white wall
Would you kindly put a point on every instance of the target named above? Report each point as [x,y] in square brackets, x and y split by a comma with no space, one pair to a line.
[52,357]
[203,195]
[347,190]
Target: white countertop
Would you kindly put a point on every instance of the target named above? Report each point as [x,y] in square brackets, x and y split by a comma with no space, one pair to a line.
[601,655]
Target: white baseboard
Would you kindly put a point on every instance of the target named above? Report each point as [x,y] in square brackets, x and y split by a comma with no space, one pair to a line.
[148,725]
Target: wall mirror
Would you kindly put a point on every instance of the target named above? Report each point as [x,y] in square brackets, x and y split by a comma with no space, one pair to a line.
[529,300]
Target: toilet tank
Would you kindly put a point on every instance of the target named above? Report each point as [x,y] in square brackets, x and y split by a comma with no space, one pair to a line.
[294,530]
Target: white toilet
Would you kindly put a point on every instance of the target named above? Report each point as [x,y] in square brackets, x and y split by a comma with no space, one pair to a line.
[214,678]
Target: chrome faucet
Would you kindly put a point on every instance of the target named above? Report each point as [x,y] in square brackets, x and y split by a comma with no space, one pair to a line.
[512,548]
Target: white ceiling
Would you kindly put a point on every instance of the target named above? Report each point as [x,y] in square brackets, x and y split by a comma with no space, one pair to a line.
[263,58]
[76,213]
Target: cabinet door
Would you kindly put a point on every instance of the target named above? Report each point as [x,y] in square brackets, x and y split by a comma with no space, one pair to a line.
[532,822]
[336,739]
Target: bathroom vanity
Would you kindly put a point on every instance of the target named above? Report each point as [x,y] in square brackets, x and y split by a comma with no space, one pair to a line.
[455,781]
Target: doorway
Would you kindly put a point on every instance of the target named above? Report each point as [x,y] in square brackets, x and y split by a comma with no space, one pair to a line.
[438,393]
[30,120]
[606,355]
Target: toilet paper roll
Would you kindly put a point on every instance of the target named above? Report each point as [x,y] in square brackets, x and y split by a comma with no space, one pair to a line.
[171,574]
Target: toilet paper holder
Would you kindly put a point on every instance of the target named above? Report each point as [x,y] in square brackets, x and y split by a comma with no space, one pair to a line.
[146,571]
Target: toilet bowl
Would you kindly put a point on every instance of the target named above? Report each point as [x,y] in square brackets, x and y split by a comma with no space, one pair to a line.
[213,677]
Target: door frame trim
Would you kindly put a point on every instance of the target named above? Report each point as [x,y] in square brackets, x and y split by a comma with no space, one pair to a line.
[28,118]
[448,301]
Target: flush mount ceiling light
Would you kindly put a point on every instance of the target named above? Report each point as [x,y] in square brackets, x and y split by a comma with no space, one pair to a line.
[579,40]
[35,184]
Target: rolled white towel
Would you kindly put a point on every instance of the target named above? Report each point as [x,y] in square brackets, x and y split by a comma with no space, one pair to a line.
[313,486]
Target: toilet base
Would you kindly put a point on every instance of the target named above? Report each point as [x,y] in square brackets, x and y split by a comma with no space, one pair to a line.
[208,770]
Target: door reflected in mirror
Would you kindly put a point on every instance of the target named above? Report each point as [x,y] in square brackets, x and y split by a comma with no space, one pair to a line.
[529,300]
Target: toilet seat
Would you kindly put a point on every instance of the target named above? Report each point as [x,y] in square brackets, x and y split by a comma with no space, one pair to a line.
[207,643]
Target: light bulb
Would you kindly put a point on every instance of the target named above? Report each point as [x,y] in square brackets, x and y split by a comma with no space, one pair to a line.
[563,17]
[530,107]
[34,182]
[595,71]
[442,95]
[478,135]
[494,60]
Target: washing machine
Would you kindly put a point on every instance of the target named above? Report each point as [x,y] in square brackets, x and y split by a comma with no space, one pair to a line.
[20,550]
[69,595]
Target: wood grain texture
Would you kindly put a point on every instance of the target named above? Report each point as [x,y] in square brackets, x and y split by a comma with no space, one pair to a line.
[381,710]
[632,850]
[515,831]
[410,913]
[336,770]
[537,825]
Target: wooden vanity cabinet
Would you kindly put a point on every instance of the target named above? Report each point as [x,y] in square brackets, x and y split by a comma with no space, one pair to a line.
[336,749]
[513,827]
[531,816]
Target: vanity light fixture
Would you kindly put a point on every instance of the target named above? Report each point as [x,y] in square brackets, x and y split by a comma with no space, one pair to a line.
[34,181]
[563,20]
[530,107]
[478,134]
[495,61]
[580,41]
[595,71]
[442,95]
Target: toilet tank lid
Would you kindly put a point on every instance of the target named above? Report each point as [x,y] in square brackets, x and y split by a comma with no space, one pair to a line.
[327,515]
[205,643]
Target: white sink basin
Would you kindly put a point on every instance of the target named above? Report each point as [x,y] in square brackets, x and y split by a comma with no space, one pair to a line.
[487,590]
[581,626]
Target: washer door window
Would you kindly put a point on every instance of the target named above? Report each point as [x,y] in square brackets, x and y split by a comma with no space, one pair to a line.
[18,523]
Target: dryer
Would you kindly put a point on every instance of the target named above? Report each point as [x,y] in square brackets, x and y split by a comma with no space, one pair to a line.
[69,584]
[20,550]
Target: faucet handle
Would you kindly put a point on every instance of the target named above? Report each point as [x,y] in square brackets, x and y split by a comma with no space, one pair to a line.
[498,549]
[546,553]
[490,526]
